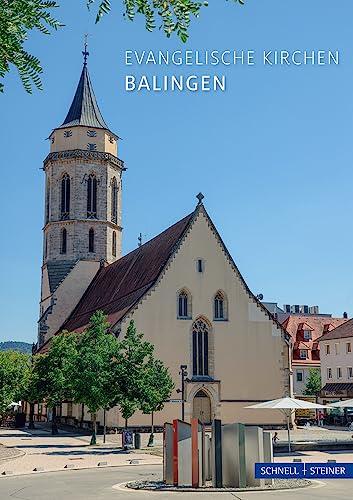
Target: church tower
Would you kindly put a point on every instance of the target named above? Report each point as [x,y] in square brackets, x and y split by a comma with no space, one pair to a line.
[82,226]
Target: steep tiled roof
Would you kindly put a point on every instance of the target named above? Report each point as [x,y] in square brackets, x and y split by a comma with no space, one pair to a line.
[57,272]
[345,330]
[316,324]
[119,286]
[84,109]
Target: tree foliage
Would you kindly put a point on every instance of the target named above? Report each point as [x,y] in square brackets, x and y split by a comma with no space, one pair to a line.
[143,383]
[95,366]
[175,15]
[17,18]
[14,376]
[313,384]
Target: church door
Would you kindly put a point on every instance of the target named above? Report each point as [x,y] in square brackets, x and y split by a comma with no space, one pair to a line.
[202,407]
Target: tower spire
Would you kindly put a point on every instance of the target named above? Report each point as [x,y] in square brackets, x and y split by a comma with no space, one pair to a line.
[85,53]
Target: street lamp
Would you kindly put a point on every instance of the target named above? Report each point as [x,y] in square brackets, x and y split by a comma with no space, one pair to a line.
[183,374]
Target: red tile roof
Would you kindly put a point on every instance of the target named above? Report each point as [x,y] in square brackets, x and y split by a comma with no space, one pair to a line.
[342,331]
[118,287]
[296,323]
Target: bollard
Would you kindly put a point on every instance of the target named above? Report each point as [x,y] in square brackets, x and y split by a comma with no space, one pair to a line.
[137,441]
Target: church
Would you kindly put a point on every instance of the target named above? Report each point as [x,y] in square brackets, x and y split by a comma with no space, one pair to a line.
[182,288]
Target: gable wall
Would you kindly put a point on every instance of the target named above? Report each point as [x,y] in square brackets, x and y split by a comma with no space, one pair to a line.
[249,354]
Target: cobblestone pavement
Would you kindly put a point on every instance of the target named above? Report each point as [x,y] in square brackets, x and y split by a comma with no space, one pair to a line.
[8,453]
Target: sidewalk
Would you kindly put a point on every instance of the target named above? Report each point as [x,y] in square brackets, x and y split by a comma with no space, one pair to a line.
[51,453]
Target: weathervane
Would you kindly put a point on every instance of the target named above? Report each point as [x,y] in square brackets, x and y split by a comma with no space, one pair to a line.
[85,53]
[139,239]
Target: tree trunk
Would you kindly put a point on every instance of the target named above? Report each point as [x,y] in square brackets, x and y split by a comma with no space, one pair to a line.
[31,416]
[82,414]
[94,429]
[151,439]
[126,424]
[54,426]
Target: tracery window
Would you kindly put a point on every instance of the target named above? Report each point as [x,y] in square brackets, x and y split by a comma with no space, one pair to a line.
[114,200]
[184,305]
[92,197]
[219,306]
[65,197]
[63,243]
[91,240]
[200,336]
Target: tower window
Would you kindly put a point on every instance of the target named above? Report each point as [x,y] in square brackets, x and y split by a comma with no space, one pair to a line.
[53,140]
[68,133]
[47,203]
[114,244]
[91,133]
[114,200]
[63,245]
[92,197]
[65,197]
[91,147]
[111,139]
[91,240]
[200,348]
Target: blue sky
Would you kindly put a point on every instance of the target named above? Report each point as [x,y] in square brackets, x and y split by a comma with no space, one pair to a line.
[272,154]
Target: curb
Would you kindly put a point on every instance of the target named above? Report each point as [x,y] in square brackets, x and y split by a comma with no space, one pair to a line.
[124,487]
[37,473]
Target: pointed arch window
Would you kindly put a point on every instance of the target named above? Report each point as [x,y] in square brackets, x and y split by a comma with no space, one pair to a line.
[92,197]
[200,337]
[65,197]
[47,203]
[114,244]
[114,200]
[63,243]
[184,305]
[91,240]
[220,306]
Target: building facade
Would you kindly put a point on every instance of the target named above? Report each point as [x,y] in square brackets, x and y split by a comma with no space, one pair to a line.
[336,349]
[182,288]
[305,330]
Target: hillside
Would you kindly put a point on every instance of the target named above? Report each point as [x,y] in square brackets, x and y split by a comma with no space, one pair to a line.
[16,346]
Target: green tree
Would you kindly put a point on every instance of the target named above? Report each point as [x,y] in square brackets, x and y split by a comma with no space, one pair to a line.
[130,371]
[175,15]
[14,373]
[95,366]
[51,379]
[313,384]
[143,382]
[17,18]
[158,386]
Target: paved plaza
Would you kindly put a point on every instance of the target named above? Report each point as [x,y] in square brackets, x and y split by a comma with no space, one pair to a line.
[23,451]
